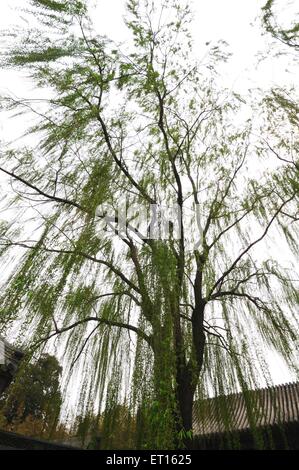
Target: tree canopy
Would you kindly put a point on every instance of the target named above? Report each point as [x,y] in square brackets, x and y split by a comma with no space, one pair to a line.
[150,323]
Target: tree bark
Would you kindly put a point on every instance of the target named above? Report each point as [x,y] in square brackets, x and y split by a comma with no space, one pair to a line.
[185,399]
[189,373]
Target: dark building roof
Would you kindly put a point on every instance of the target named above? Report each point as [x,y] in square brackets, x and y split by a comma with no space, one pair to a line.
[13,441]
[256,408]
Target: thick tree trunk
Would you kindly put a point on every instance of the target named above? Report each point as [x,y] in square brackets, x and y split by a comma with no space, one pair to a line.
[189,373]
[185,399]
[185,395]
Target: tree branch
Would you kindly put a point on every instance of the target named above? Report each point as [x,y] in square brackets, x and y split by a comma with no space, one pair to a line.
[99,320]
[244,252]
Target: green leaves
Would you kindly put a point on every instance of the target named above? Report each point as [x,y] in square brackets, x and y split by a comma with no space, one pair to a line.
[97,189]
[60,7]
[136,125]
[46,55]
[68,6]
[289,36]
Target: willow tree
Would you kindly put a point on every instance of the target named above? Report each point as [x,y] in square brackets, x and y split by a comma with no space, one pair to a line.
[155,322]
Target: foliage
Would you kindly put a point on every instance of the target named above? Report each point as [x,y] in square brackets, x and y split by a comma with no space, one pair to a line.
[280,110]
[288,36]
[153,323]
[32,404]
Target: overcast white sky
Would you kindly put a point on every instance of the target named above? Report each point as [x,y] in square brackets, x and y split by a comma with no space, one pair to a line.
[235,21]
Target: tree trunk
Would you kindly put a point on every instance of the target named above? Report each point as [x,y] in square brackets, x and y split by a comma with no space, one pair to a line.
[185,399]
[188,373]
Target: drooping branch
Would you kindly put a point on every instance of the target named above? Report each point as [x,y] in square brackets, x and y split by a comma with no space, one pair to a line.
[66,201]
[35,188]
[290,162]
[117,294]
[106,263]
[219,282]
[104,321]
[289,37]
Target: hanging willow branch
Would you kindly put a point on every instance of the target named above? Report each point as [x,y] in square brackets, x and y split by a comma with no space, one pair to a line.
[164,320]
